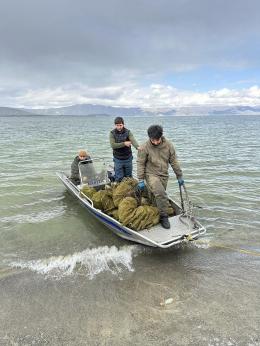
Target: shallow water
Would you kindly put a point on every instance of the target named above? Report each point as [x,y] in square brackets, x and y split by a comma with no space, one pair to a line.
[67,280]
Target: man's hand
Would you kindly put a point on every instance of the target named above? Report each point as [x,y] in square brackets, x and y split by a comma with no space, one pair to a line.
[141,185]
[180,182]
[127,143]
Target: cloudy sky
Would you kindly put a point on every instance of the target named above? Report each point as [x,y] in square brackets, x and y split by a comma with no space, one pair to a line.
[146,53]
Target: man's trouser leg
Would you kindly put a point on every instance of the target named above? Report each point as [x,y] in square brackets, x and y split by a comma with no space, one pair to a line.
[158,185]
[119,170]
[128,167]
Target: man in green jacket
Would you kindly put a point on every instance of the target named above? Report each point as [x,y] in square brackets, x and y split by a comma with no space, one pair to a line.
[153,162]
[121,140]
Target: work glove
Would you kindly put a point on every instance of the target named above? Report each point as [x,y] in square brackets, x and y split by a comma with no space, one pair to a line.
[141,185]
[180,182]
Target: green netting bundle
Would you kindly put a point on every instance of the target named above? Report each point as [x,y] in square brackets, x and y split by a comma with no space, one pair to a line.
[171,211]
[107,200]
[96,199]
[145,217]
[124,189]
[88,191]
[114,213]
[137,218]
[126,209]
[103,200]
[145,201]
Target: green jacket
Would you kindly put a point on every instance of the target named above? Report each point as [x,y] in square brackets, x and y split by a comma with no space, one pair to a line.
[155,160]
[115,145]
[75,168]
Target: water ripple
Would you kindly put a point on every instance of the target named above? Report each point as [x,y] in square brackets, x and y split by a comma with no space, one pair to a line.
[34,203]
[34,217]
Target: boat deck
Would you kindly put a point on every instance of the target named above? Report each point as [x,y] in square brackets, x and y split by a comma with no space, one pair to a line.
[178,229]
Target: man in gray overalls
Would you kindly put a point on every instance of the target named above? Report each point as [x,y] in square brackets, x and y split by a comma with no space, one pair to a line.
[153,161]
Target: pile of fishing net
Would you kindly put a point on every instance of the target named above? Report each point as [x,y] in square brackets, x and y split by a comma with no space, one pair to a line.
[127,188]
[123,203]
[102,199]
[137,217]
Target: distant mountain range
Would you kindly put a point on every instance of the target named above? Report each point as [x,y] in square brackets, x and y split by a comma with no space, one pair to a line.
[90,109]
[7,111]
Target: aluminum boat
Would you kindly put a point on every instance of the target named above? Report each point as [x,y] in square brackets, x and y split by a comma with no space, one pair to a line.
[184,227]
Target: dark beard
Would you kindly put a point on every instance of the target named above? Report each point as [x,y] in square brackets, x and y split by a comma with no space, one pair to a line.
[155,145]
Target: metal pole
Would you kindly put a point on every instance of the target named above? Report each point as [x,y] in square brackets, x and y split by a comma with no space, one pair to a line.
[182,204]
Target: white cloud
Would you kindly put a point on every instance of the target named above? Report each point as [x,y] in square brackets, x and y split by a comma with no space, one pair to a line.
[153,96]
[254,91]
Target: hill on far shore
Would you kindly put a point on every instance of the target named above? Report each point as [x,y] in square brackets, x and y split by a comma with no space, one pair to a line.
[89,109]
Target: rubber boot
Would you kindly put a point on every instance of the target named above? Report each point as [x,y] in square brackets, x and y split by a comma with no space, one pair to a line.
[165,222]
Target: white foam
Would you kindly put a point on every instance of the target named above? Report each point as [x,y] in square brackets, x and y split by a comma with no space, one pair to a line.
[203,243]
[90,261]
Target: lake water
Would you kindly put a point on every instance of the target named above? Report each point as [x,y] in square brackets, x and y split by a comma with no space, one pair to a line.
[67,280]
